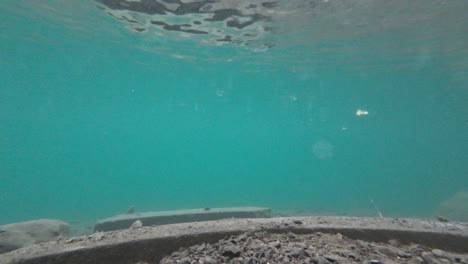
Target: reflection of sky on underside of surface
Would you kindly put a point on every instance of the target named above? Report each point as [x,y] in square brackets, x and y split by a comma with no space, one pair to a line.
[214,22]
[391,29]
[295,32]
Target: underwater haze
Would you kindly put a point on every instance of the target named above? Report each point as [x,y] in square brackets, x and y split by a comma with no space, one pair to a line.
[321,107]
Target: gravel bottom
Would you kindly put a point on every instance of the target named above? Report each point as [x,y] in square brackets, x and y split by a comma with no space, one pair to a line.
[317,248]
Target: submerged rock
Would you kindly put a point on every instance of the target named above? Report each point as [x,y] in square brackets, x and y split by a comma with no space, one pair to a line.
[230,250]
[136,224]
[442,219]
[18,235]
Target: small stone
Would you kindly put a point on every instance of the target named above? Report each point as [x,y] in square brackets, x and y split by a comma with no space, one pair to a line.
[275,244]
[70,240]
[362,243]
[416,249]
[403,254]
[389,261]
[386,251]
[374,261]
[165,261]
[184,260]
[250,261]
[193,248]
[348,254]
[394,242]
[442,219]
[241,237]
[321,260]
[332,258]
[207,260]
[301,245]
[429,258]
[297,252]
[137,224]
[440,253]
[201,247]
[230,251]
[298,222]
[309,253]
[339,236]
[99,236]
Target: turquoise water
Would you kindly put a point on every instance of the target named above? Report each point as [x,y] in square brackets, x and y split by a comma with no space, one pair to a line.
[95,118]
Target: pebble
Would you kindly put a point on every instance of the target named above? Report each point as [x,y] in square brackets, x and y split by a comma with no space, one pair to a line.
[442,219]
[429,258]
[333,258]
[230,251]
[99,236]
[440,253]
[137,224]
[275,244]
[297,252]
[394,242]
[386,251]
[207,260]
